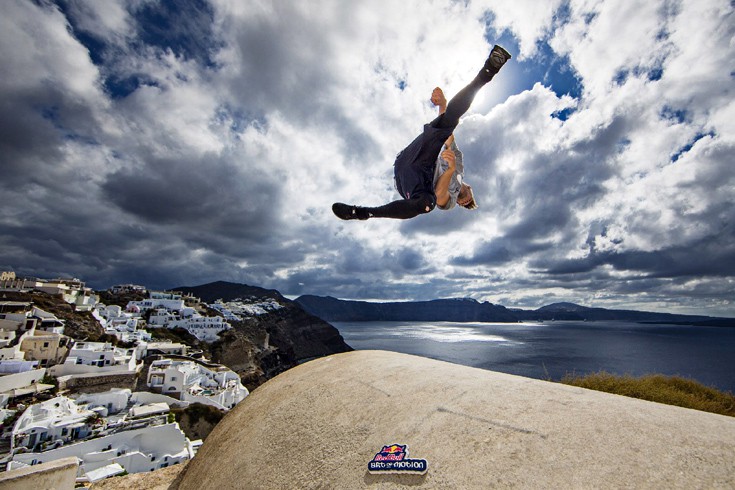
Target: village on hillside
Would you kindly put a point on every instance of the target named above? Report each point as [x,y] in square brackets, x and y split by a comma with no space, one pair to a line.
[110,404]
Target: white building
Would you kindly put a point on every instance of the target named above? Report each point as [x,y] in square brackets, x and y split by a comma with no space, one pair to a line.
[122,324]
[193,382]
[20,382]
[245,308]
[137,451]
[124,410]
[168,310]
[16,366]
[225,310]
[173,305]
[72,290]
[15,316]
[53,422]
[7,337]
[97,357]
[163,348]
[113,316]
[101,354]
[127,288]
[12,350]
[108,402]
[206,328]
[48,322]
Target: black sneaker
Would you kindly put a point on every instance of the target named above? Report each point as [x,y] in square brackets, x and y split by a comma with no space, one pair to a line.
[496,60]
[345,211]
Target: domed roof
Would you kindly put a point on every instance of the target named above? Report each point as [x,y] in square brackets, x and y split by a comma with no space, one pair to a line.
[320,424]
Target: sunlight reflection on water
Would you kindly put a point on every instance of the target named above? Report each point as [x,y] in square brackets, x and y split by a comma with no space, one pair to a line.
[444,334]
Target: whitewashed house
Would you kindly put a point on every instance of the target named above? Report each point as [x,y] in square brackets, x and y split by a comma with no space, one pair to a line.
[97,357]
[124,410]
[122,324]
[173,303]
[193,382]
[47,322]
[18,380]
[163,348]
[137,451]
[168,310]
[73,291]
[225,310]
[15,325]
[22,336]
[240,308]
[107,402]
[127,288]
[53,422]
[205,328]
[16,366]
[12,351]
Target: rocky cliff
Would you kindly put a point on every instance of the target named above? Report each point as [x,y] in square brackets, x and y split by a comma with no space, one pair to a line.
[271,338]
[80,325]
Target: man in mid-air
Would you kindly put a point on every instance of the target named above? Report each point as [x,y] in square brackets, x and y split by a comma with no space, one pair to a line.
[415,167]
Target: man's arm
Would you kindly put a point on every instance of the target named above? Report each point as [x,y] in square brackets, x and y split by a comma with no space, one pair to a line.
[441,189]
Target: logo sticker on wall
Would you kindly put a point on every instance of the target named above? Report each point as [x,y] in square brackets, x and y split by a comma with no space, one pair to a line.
[394,459]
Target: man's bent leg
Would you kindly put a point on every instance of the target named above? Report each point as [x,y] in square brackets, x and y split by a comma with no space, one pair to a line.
[460,103]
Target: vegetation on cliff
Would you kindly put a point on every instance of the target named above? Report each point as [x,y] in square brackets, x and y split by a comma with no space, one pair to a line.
[670,390]
[197,420]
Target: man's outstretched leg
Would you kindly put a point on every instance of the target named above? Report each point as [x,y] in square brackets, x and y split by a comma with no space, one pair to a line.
[400,209]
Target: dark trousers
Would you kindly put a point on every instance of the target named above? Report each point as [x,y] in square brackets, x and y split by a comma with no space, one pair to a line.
[415,165]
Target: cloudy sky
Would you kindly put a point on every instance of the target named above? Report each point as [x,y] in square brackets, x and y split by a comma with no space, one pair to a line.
[172,143]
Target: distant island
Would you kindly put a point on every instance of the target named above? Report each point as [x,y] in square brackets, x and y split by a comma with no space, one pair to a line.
[471,310]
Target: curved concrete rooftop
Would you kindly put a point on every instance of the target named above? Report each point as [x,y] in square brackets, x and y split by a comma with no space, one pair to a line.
[319,424]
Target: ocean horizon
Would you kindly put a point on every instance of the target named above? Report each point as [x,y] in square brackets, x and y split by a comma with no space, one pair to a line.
[551,350]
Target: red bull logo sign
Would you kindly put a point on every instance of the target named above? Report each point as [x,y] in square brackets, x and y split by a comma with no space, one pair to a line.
[394,459]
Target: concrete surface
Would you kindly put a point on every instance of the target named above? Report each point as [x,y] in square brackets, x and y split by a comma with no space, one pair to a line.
[54,475]
[319,424]
[153,480]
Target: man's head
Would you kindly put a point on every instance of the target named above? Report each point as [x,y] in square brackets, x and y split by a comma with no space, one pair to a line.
[466,198]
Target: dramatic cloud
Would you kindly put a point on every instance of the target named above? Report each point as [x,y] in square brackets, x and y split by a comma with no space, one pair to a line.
[175,143]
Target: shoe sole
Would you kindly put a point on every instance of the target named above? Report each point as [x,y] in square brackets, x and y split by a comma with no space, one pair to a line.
[344,211]
[502,50]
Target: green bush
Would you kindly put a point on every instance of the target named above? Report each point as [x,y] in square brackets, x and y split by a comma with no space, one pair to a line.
[671,390]
[195,411]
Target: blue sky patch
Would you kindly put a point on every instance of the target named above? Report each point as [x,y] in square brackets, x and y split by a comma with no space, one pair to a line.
[185,28]
[545,65]
[679,116]
[95,46]
[690,145]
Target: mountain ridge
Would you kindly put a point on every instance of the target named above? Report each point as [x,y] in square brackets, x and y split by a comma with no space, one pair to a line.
[334,309]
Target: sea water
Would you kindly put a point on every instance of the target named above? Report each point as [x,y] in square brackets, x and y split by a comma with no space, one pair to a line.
[552,350]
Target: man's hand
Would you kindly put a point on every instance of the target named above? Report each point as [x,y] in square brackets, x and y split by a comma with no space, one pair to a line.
[451,159]
[438,99]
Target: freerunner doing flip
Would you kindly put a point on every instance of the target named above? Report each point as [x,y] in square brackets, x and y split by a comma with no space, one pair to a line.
[415,168]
